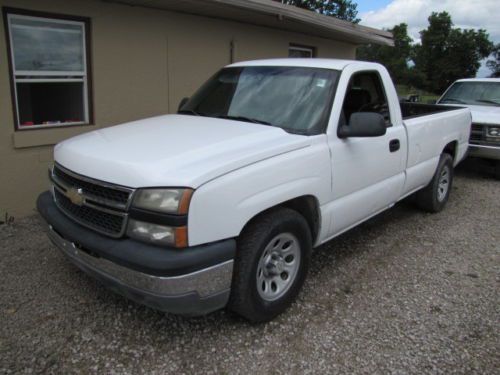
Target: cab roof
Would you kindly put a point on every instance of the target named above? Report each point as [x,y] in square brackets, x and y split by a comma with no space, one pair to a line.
[335,64]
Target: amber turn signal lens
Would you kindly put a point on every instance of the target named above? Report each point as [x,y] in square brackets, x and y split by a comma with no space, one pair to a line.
[184,202]
[181,237]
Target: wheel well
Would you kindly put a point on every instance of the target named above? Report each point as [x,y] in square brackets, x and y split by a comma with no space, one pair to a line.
[451,149]
[307,206]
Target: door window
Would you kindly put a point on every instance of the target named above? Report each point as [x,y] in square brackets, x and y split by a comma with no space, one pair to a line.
[365,93]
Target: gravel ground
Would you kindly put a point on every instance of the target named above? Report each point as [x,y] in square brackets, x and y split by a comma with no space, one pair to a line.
[406,293]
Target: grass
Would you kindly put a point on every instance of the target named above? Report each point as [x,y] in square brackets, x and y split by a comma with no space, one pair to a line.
[425,97]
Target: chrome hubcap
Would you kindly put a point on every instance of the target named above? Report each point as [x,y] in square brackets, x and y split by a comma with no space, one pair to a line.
[443,184]
[278,266]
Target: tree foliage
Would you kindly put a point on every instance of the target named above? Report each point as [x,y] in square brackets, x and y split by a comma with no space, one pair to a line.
[343,9]
[494,63]
[396,58]
[446,54]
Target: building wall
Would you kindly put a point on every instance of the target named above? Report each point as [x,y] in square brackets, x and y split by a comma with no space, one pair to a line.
[144,61]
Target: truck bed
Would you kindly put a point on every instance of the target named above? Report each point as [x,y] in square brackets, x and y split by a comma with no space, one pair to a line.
[412,110]
[429,128]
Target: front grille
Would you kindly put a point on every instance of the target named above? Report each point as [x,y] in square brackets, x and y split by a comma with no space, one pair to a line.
[97,205]
[113,196]
[476,133]
[104,222]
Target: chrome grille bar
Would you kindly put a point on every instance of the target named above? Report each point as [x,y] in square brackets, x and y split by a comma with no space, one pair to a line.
[99,206]
[94,190]
[477,133]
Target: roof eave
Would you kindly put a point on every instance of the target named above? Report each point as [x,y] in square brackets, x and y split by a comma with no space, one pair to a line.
[354,32]
[274,15]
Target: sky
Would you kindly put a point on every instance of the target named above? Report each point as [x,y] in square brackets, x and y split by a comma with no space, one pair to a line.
[464,14]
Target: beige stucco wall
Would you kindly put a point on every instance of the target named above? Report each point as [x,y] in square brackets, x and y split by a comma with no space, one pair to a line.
[143,62]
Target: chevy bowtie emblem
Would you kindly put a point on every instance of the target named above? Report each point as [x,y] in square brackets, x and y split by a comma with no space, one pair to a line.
[75,196]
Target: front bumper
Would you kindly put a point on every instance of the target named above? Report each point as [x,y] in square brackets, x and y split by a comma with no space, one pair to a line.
[192,281]
[486,152]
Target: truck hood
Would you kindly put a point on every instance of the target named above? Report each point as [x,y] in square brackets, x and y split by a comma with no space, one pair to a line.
[172,150]
[485,114]
[482,114]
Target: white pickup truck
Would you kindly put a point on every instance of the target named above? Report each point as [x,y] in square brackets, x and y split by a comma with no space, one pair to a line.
[222,203]
[482,97]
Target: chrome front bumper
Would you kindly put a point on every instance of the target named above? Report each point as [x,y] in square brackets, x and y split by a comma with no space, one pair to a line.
[196,293]
[486,152]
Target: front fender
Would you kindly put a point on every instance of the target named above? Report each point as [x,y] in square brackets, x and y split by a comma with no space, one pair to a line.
[222,207]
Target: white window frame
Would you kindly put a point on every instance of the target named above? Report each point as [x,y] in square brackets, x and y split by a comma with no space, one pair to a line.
[293,47]
[29,76]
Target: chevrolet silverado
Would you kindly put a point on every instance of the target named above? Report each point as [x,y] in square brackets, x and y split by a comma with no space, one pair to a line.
[221,204]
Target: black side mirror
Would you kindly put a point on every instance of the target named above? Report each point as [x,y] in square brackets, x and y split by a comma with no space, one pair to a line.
[181,104]
[363,124]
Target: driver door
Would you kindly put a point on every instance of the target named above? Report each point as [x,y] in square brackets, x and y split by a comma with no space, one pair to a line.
[368,172]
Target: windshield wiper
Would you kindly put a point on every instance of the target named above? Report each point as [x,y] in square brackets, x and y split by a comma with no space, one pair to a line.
[453,100]
[488,101]
[296,131]
[243,118]
[190,112]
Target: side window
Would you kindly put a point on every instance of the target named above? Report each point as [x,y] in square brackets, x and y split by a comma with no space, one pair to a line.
[365,93]
[295,50]
[50,69]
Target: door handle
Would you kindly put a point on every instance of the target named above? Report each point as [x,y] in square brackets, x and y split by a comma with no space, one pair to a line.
[394,145]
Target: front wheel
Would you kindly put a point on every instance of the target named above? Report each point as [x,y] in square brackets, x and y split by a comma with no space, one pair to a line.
[434,196]
[271,264]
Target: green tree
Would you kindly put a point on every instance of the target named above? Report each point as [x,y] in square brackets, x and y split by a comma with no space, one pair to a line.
[343,9]
[494,64]
[446,54]
[396,58]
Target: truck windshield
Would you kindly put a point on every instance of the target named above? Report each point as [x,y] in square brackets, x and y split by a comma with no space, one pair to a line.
[473,93]
[296,99]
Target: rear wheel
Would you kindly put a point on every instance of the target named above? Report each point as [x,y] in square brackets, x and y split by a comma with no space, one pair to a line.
[271,264]
[434,196]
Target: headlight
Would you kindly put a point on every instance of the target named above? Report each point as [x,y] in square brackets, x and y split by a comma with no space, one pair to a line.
[494,131]
[157,234]
[170,201]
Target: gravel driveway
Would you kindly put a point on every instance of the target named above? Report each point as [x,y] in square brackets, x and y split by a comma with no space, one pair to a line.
[406,292]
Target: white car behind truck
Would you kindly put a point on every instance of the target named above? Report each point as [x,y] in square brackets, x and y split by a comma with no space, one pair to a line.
[482,97]
[221,204]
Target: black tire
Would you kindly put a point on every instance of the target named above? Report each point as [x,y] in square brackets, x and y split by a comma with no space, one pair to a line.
[246,299]
[431,198]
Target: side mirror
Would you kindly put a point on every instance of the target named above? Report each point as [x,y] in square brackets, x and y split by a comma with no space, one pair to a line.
[432,101]
[363,124]
[181,104]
